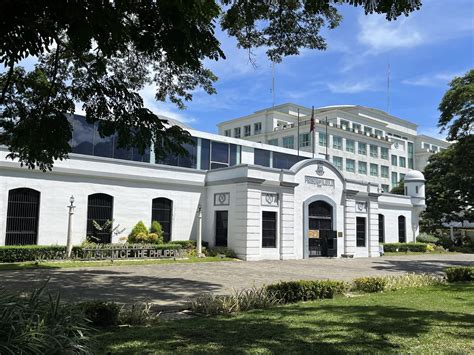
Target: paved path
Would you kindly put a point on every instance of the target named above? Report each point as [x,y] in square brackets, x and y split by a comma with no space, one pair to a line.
[173,284]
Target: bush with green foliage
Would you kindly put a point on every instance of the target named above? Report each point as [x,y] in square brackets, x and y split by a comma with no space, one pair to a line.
[370,284]
[238,301]
[459,273]
[392,283]
[38,323]
[187,244]
[137,314]
[20,253]
[405,247]
[157,229]
[138,229]
[216,251]
[295,291]
[427,238]
[101,314]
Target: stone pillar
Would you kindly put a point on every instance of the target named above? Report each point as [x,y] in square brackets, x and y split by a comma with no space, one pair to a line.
[373,225]
[349,225]
[287,225]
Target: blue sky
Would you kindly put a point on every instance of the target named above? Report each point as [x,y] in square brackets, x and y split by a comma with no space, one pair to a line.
[425,50]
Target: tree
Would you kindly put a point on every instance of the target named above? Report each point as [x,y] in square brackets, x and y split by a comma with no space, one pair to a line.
[457,107]
[102,53]
[399,189]
[450,185]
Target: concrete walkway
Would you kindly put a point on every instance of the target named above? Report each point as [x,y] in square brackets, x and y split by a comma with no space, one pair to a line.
[171,285]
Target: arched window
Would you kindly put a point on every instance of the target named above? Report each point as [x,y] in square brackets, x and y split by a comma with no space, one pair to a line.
[22,217]
[162,211]
[402,234]
[100,210]
[381,228]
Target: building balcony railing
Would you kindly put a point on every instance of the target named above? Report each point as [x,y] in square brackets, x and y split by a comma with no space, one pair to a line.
[335,125]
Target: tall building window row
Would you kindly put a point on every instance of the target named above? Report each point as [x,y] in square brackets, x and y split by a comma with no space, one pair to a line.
[394,160]
[384,153]
[257,127]
[350,165]
[337,161]
[350,145]
[362,148]
[384,171]
[289,142]
[362,167]
[322,139]
[337,142]
[305,140]
[402,162]
[247,130]
[374,170]
[374,151]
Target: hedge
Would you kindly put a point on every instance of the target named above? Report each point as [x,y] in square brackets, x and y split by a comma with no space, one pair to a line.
[405,247]
[20,253]
[460,273]
[295,291]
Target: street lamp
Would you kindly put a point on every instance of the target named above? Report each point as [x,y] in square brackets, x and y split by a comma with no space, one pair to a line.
[69,227]
[199,233]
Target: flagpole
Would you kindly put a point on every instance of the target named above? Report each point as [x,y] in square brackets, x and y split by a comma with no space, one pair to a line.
[327,138]
[313,131]
[298,134]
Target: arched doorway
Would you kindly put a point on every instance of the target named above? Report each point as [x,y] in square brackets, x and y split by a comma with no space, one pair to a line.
[322,237]
[22,217]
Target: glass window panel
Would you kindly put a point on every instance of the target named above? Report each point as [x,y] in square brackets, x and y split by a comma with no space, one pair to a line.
[350,145]
[220,152]
[289,142]
[262,157]
[82,136]
[103,147]
[285,161]
[235,154]
[362,167]
[205,153]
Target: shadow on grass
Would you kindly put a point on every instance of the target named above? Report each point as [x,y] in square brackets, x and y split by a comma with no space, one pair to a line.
[418,266]
[311,328]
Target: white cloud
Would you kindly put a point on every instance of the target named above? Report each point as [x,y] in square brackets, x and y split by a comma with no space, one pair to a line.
[381,35]
[348,87]
[432,80]
[432,132]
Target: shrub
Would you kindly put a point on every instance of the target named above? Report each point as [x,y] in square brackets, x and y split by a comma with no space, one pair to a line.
[427,238]
[187,244]
[20,253]
[137,314]
[149,238]
[460,273]
[157,229]
[405,247]
[238,301]
[40,324]
[101,314]
[139,228]
[392,283]
[229,253]
[370,284]
[295,291]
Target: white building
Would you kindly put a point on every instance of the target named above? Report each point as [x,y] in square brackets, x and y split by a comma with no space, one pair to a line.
[263,201]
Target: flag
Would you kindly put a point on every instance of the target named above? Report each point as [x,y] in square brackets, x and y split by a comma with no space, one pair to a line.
[312,127]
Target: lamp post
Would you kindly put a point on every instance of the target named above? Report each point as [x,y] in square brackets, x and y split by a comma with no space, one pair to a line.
[199,233]
[69,227]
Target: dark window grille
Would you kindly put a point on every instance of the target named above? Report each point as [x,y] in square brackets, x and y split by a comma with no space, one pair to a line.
[381,228]
[161,211]
[222,220]
[99,209]
[269,229]
[360,231]
[320,216]
[22,217]
[402,233]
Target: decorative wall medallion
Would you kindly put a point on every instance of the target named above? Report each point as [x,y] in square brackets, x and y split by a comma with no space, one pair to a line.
[361,206]
[269,199]
[320,170]
[222,199]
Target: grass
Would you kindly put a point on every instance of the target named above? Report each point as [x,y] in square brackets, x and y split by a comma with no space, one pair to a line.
[417,321]
[81,264]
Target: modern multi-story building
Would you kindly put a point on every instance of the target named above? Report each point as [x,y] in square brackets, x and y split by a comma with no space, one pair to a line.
[254,190]
[363,142]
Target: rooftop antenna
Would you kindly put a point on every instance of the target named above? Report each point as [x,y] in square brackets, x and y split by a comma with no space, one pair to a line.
[388,86]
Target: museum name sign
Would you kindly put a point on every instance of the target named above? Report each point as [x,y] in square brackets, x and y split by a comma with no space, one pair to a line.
[318,181]
[131,253]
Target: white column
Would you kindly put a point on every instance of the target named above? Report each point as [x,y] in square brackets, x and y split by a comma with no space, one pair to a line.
[373,226]
[349,226]
[287,222]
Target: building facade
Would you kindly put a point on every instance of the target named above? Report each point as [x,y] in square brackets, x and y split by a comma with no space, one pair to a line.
[263,201]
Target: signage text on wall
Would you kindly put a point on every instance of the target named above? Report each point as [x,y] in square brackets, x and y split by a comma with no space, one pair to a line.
[131,253]
[318,181]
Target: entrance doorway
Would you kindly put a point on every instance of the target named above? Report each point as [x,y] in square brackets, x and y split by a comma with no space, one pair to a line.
[322,237]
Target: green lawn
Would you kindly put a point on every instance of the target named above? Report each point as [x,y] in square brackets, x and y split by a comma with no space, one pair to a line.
[70,264]
[429,320]
[402,253]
